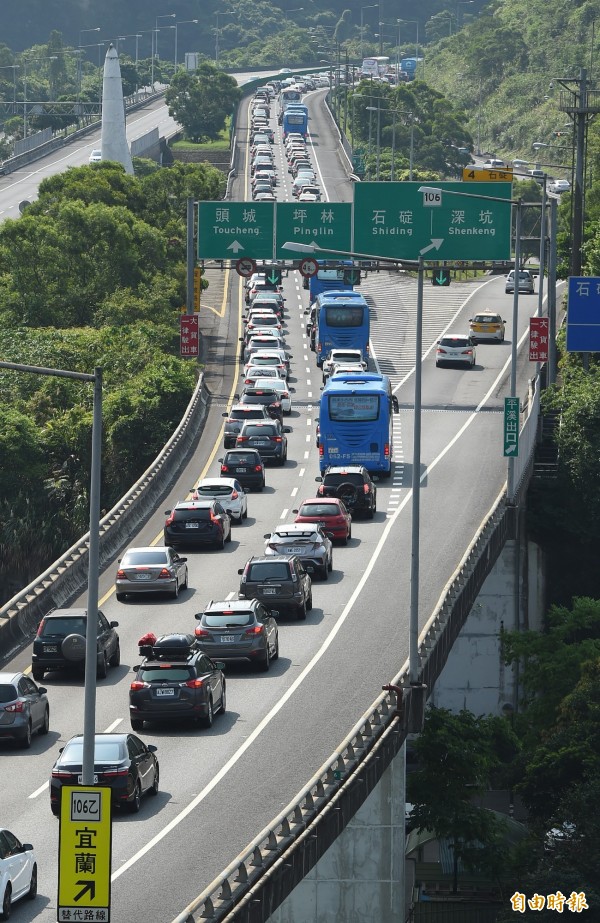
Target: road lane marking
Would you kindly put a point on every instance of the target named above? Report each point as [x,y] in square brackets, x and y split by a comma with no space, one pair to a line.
[284,514]
[294,492]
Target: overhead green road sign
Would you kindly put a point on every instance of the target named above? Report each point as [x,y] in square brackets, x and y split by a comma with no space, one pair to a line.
[396,221]
[231,230]
[322,223]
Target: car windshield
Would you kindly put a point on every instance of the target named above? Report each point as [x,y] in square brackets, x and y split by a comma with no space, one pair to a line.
[64,626]
[334,480]
[486,319]
[222,619]
[8,693]
[159,556]
[318,509]
[268,570]
[105,751]
[179,674]
[242,459]
[214,490]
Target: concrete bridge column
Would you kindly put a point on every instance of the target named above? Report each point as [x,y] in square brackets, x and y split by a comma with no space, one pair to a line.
[360,879]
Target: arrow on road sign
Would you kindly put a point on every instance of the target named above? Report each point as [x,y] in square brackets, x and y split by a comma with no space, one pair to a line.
[236,246]
[509,449]
[436,243]
[87,886]
[441,277]
[352,276]
[274,277]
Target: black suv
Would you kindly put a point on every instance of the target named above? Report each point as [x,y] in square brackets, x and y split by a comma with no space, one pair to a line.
[264,397]
[352,484]
[282,582]
[60,643]
[175,680]
[197,522]
[237,416]
[246,466]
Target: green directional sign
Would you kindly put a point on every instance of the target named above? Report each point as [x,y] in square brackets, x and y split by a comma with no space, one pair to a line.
[231,230]
[322,223]
[440,277]
[398,221]
[511,426]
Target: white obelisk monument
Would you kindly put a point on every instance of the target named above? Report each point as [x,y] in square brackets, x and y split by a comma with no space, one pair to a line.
[114,136]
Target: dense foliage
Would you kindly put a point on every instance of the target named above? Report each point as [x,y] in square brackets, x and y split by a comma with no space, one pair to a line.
[201,101]
[93,274]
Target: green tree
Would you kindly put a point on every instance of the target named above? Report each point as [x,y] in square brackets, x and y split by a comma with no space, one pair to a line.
[201,101]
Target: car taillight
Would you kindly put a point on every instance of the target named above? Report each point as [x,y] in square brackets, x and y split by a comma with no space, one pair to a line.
[121,575]
[40,628]
[386,450]
[440,350]
[366,488]
[170,519]
[224,468]
[321,450]
[255,630]
[242,439]
[467,352]
[138,684]
[234,495]
[114,773]
[202,633]
[276,438]
[15,707]
[61,774]
[194,683]
[164,574]
[258,467]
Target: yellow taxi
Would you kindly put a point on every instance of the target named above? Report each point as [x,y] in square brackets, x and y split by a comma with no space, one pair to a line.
[487,326]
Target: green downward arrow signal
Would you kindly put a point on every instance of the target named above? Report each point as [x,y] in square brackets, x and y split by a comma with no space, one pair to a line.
[442,277]
[275,277]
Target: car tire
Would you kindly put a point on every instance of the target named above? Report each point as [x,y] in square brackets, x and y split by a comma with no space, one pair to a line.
[33,884]
[331,563]
[245,514]
[154,788]
[186,582]
[275,655]
[136,802]
[121,597]
[264,665]
[221,543]
[137,724]
[229,534]
[45,727]
[325,572]
[346,539]
[6,903]
[223,707]
[37,673]
[372,511]
[309,602]
[175,593]
[207,722]
[26,739]
[115,660]
[301,612]
[102,668]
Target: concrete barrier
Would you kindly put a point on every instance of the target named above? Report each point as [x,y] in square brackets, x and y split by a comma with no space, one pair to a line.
[67,577]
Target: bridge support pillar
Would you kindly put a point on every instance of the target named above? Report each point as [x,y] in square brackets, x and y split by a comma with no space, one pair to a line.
[361,876]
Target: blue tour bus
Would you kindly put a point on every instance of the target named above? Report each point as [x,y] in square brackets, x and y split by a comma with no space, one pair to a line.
[329,279]
[295,119]
[342,320]
[355,422]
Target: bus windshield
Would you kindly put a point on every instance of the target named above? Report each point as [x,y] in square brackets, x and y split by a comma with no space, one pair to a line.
[353,408]
[344,316]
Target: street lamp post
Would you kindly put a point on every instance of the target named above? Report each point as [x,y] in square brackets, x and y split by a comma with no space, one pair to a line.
[80,47]
[156,28]
[217,14]
[414,22]
[371,6]
[182,22]
[14,67]
[24,65]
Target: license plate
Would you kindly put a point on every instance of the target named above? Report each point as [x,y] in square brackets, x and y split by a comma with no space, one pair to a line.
[143,576]
[80,779]
[227,639]
[260,442]
[50,648]
[269,590]
[294,550]
[242,470]
[164,692]
[192,525]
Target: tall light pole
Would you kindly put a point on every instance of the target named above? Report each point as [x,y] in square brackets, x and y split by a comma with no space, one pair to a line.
[15,68]
[80,47]
[162,16]
[182,22]
[371,6]
[217,14]
[458,6]
[24,66]
[414,22]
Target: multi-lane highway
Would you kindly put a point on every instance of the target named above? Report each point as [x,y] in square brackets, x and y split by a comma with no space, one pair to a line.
[219,788]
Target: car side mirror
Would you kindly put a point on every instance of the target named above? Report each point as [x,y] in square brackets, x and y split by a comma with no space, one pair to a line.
[294,511]
[151,748]
[42,689]
[182,560]
[395,404]
[320,479]
[224,414]
[307,310]
[470,321]
[240,570]
[287,429]
[274,613]
[136,668]
[114,624]
[198,616]
[375,478]
[266,535]
[329,534]
[220,460]
[26,847]
[219,664]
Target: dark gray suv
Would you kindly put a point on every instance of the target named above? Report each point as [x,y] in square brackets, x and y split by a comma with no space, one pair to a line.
[282,582]
[237,416]
[60,643]
[242,630]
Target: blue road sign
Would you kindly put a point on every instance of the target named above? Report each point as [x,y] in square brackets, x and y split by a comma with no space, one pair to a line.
[583,315]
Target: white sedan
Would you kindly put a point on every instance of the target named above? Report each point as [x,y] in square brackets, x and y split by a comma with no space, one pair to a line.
[228,491]
[18,871]
[273,384]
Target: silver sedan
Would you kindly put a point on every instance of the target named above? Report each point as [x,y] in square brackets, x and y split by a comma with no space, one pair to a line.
[310,543]
[151,570]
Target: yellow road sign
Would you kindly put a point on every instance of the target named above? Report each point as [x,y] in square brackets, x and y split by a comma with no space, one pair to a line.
[84,858]
[478,175]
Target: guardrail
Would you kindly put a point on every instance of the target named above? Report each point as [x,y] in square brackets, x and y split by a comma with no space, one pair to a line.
[66,578]
[251,888]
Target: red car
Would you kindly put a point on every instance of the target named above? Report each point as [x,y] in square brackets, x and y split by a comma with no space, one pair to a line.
[328,512]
